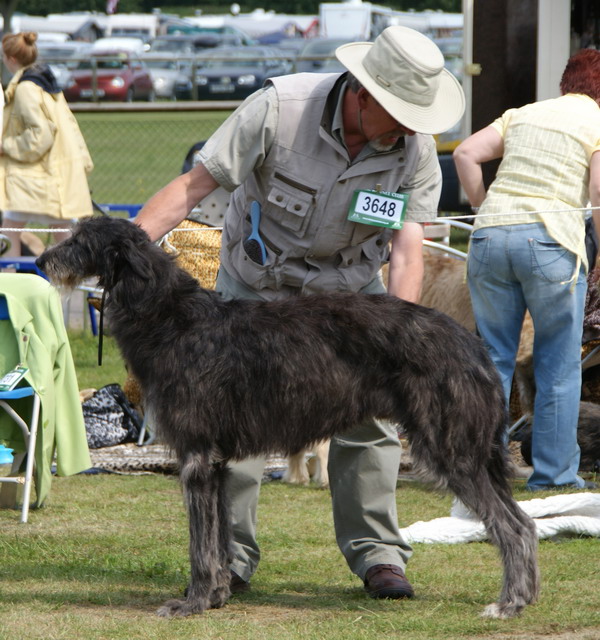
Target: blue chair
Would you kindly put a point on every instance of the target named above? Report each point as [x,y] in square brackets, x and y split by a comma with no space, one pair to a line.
[130,209]
[29,430]
[21,264]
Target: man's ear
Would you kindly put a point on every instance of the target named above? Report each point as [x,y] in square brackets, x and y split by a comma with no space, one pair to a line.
[362,96]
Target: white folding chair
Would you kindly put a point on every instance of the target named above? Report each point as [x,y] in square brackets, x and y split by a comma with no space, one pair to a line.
[29,430]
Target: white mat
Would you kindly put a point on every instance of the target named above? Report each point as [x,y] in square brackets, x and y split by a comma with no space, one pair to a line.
[575,514]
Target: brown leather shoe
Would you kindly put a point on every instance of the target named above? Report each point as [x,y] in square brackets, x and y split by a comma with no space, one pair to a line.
[387,581]
[237,585]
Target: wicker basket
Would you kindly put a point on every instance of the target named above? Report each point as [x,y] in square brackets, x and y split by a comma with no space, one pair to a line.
[197,247]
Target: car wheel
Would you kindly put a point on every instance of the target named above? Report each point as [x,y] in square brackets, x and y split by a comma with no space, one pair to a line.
[129,95]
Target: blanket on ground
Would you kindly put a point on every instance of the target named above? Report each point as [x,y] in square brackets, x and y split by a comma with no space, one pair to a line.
[566,514]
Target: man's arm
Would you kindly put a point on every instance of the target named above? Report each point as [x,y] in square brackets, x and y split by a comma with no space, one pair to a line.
[236,149]
[406,262]
[480,147]
[167,208]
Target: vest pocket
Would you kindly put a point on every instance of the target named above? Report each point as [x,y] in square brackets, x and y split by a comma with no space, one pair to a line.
[291,204]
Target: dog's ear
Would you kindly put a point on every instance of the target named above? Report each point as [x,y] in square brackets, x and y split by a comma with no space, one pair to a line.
[121,257]
[134,255]
[109,268]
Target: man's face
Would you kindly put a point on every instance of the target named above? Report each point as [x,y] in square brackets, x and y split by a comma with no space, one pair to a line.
[379,127]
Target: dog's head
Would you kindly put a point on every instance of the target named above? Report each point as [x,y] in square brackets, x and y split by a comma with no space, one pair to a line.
[101,247]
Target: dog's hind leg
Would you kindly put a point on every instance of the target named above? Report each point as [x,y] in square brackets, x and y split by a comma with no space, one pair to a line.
[488,495]
[297,471]
[204,488]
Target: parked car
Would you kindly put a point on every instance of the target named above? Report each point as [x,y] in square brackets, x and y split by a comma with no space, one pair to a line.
[318,55]
[227,34]
[165,70]
[62,57]
[184,44]
[120,76]
[232,73]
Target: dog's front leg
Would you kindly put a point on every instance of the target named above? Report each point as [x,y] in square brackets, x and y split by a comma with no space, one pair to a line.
[203,487]
[221,592]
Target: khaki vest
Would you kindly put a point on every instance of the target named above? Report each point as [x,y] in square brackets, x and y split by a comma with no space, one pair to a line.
[305,186]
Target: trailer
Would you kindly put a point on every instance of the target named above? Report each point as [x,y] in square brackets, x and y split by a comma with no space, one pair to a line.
[365,20]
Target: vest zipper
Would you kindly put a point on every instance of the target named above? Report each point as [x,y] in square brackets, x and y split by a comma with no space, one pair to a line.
[296,185]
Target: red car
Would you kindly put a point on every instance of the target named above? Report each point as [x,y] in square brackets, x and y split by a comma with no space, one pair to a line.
[120,76]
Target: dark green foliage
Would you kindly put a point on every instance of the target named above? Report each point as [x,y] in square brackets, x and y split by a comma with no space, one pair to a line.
[43,7]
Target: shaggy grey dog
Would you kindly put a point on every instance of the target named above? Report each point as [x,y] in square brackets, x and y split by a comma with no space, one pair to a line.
[230,379]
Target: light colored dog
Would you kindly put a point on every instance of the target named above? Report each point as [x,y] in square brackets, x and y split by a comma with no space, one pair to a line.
[309,464]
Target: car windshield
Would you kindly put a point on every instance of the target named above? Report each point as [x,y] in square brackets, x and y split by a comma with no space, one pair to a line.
[55,53]
[169,45]
[112,62]
[162,64]
[61,55]
[233,58]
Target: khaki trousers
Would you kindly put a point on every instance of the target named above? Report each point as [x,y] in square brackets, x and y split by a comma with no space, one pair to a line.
[363,471]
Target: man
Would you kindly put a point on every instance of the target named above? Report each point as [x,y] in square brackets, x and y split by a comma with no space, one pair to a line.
[308,148]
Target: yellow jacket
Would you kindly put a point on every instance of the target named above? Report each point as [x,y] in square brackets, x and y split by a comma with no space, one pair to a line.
[45,161]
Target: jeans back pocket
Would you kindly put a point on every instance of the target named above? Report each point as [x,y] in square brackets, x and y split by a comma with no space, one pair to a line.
[478,256]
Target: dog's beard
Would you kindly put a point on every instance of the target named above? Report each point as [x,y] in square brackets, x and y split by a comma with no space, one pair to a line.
[62,277]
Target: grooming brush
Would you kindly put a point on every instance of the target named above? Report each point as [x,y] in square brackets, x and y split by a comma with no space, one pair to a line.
[253,245]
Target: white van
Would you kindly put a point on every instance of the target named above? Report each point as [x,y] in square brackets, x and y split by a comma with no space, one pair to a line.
[136,25]
[117,43]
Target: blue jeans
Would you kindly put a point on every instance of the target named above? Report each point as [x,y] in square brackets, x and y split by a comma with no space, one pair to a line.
[518,267]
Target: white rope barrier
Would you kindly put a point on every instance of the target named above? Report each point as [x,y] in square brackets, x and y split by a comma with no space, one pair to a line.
[37,230]
[438,219]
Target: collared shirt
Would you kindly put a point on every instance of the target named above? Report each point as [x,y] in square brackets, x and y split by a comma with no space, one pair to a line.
[544,173]
[229,165]
[284,149]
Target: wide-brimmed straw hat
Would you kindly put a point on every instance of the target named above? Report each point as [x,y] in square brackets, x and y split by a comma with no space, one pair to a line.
[404,71]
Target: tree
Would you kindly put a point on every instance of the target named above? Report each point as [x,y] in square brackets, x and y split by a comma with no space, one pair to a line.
[7,8]
[187,7]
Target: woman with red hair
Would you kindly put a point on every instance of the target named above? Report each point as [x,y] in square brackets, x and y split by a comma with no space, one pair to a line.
[527,251]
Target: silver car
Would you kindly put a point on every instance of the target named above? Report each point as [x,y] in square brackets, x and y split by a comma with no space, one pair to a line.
[165,69]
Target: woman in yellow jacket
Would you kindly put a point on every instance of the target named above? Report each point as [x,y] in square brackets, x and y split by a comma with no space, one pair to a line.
[44,160]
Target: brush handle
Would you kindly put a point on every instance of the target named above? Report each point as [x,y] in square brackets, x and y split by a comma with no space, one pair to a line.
[255,218]
[254,236]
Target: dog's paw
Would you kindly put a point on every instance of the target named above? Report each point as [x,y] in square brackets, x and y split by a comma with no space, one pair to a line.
[180,609]
[219,597]
[501,611]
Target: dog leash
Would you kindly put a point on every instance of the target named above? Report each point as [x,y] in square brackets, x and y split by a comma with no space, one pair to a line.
[101,328]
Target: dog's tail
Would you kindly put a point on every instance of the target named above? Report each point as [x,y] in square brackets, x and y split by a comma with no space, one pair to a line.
[487,493]
[470,458]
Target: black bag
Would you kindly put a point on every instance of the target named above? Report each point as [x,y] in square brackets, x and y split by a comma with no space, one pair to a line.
[109,418]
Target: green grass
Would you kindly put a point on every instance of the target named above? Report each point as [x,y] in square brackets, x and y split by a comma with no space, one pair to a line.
[85,354]
[108,550]
[459,239]
[136,154]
